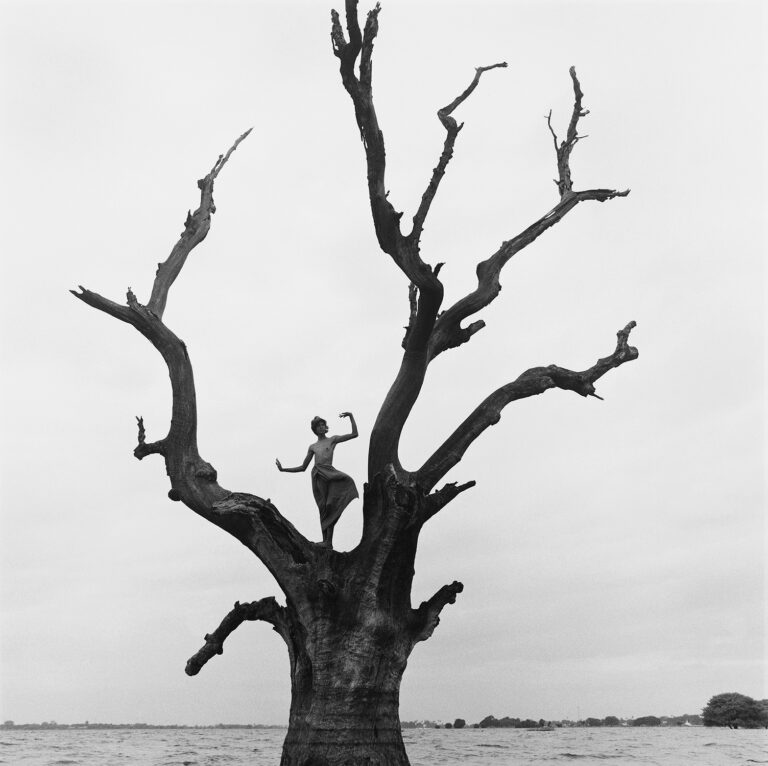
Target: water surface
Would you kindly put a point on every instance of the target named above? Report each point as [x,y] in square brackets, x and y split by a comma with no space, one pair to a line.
[678,746]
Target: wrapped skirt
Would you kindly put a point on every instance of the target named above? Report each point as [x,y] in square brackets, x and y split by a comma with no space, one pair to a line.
[333,491]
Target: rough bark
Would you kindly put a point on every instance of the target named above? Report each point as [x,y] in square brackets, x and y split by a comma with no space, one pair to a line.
[348,621]
[352,638]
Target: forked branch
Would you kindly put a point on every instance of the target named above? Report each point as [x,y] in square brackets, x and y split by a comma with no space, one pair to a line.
[564,149]
[386,219]
[449,331]
[404,251]
[532,382]
[266,609]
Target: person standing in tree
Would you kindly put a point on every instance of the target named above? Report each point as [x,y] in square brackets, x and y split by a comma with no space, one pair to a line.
[333,489]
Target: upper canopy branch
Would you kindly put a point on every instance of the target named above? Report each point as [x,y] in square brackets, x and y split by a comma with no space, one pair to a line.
[534,381]
[452,129]
[196,228]
[266,609]
[448,331]
[564,149]
[386,219]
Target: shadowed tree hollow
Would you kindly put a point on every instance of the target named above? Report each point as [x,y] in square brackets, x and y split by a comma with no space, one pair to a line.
[348,621]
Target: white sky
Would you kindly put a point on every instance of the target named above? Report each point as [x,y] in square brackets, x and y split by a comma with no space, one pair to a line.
[612,552]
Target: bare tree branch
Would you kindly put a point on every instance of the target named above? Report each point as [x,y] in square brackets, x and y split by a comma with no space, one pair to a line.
[532,382]
[439,499]
[266,609]
[251,519]
[452,130]
[564,149]
[386,220]
[196,229]
[448,331]
[427,617]
[179,446]
[143,449]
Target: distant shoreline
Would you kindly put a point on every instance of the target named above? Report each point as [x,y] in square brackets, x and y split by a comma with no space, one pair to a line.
[406,725]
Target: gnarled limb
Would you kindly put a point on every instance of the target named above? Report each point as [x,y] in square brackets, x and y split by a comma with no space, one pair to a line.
[439,499]
[252,520]
[179,446]
[255,522]
[534,381]
[452,129]
[427,617]
[266,609]
[196,228]
[448,331]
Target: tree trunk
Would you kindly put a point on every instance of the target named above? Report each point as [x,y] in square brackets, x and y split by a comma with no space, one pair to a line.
[349,643]
[345,703]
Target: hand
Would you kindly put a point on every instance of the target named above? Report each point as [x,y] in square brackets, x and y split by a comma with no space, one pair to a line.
[345,414]
[279,467]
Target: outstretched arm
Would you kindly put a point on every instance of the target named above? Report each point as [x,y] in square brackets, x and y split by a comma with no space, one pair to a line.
[298,468]
[353,433]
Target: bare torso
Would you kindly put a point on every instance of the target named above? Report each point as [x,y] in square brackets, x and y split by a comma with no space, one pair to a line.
[322,449]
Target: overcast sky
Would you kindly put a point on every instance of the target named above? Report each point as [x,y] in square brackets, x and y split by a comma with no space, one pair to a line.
[612,552]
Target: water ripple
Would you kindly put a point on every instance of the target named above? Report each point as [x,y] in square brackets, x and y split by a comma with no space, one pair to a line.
[426,747]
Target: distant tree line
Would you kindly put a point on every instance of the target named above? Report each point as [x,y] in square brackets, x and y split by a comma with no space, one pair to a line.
[489,722]
[733,710]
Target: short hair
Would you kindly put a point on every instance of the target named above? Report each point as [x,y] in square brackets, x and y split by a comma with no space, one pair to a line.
[316,421]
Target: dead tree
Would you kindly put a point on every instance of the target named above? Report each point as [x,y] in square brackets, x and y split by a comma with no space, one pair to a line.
[348,621]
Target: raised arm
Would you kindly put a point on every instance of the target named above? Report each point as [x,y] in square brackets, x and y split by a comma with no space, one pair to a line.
[353,433]
[298,468]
